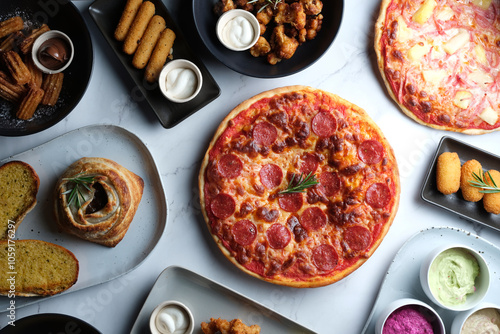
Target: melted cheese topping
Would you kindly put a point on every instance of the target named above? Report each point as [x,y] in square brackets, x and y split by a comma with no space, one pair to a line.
[442,60]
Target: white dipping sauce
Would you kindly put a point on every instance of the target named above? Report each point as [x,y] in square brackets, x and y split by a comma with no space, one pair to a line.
[181,83]
[171,320]
[238,32]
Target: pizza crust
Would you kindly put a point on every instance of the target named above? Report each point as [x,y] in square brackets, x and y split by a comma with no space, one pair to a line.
[379,31]
[323,279]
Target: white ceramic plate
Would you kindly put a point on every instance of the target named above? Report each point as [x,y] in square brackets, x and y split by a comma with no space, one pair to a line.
[402,278]
[98,263]
[206,299]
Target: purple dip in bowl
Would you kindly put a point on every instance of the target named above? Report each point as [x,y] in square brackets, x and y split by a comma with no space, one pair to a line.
[408,320]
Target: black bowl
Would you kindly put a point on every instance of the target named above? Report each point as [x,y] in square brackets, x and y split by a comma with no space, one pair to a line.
[58,15]
[244,63]
[49,323]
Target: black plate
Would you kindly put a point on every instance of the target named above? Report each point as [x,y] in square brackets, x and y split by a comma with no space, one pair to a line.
[244,63]
[106,14]
[49,323]
[59,15]
[472,211]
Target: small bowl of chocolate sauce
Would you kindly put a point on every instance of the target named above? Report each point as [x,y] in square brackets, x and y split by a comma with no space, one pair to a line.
[52,52]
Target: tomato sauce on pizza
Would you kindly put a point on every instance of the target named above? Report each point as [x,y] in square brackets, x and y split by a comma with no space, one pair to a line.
[440,61]
[343,166]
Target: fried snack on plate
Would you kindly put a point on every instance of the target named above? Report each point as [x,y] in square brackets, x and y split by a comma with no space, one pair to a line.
[159,55]
[138,27]
[491,201]
[9,90]
[36,73]
[235,326]
[448,173]
[469,192]
[27,44]
[16,67]
[29,103]
[11,25]
[52,84]
[128,15]
[11,41]
[148,41]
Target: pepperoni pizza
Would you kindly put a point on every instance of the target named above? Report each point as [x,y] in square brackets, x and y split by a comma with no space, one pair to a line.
[298,187]
[440,61]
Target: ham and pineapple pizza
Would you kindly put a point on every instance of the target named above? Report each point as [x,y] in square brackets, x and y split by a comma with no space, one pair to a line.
[440,61]
[298,187]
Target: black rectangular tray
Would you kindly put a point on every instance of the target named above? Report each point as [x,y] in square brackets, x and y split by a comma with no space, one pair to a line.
[106,14]
[472,211]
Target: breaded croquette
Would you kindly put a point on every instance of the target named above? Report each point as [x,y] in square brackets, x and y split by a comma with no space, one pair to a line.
[138,27]
[148,42]
[491,201]
[160,55]
[448,171]
[128,15]
[469,192]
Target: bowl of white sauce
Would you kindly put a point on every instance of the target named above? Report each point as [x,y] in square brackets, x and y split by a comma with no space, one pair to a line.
[180,80]
[171,317]
[238,29]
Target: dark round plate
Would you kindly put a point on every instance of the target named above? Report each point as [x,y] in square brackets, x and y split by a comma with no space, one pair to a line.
[244,63]
[49,323]
[59,15]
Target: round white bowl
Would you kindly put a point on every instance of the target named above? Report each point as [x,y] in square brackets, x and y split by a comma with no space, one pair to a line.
[228,16]
[482,282]
[42,38]
[460,318]
[431,315]
[174,64]
[161,306]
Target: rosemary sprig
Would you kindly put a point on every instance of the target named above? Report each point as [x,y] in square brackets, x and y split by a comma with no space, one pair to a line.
[301,184]
[274,3]
[75,194]
[481,183]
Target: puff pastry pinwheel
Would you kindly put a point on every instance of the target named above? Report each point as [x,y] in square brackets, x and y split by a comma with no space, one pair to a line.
[96,200]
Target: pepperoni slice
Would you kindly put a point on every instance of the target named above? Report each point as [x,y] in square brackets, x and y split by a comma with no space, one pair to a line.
[329,183]
[223,206]
[378,195]
[230,166]
[358,238]
[278,236]
[313,219]
[264,133]
[325,257]
[309,163]
[244,232]
[324,124]
[291,202]
[271,176]
[371,151]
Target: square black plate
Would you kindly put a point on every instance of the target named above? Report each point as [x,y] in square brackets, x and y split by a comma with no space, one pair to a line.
[472,211]
[106,14]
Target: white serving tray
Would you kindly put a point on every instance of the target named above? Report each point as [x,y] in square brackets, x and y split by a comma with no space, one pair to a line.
[98,263]
[402,278]
[206,298]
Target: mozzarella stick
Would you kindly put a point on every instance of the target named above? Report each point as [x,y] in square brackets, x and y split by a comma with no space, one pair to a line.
[148,41]
[128,15]
[160,54]
[139,25]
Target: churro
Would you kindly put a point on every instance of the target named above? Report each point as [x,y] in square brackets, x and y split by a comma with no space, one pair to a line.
[11,25]
[52,84]
[16,67]
[128,15]
[29,103]
[27,44]
[148,41]
[11,41]
[159,55]
[10,91]
[36,73]
[139,25]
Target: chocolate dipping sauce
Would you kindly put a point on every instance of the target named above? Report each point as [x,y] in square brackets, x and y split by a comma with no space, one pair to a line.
[53,53]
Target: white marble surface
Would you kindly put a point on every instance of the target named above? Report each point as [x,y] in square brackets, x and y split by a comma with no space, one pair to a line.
[347,69]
